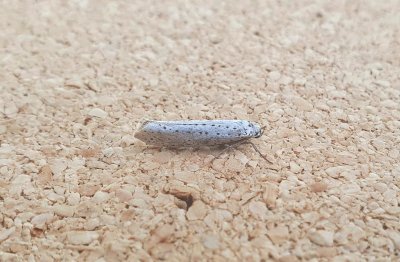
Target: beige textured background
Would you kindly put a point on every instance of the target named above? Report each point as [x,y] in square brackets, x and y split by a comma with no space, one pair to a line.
[78,76]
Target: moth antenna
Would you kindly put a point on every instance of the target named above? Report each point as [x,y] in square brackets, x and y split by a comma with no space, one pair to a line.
[258,151]
[263,129]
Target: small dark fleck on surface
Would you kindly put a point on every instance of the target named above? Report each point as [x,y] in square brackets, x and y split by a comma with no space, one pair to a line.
[87,120]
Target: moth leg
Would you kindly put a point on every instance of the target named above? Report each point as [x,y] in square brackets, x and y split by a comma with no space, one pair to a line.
[242,142]
[227,148]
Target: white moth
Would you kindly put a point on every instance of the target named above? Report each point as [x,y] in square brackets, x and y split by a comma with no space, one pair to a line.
[196,133]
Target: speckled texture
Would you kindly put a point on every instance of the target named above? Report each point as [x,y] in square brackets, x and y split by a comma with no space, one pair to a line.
[78,77]
[197,133]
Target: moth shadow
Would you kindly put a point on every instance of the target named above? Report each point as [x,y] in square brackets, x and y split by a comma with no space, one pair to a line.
[206,150]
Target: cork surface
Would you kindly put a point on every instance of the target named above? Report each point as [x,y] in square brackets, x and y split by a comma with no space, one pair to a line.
[77,78]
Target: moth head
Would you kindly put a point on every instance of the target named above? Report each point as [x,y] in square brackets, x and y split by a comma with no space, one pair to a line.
[257,130]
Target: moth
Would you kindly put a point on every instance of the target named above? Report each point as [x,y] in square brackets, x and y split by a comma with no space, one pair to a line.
[198,133]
